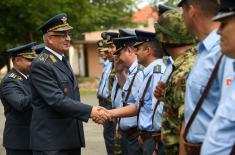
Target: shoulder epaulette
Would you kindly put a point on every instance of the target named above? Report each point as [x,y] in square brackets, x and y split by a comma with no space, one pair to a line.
[12,75]
[53,59]
[43,57]
[157,69]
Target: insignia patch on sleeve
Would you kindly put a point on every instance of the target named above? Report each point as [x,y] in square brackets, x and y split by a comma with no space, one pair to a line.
[43,57]
[157,69]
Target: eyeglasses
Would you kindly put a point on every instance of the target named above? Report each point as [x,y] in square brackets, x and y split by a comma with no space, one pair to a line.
[62,34]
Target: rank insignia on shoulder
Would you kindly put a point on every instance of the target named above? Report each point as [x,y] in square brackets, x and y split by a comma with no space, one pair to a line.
[53,59]
[157,69]
[20,78]
[43,57]
[12,75]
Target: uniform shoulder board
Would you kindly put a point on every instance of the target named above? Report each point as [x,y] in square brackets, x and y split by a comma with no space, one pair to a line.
[157,69]
[53,59]
[140,67]
[12,75]
[43,57]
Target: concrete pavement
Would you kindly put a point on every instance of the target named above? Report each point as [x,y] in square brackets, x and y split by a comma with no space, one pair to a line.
[93,132]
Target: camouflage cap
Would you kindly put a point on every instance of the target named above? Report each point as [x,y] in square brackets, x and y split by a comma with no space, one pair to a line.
[170,29]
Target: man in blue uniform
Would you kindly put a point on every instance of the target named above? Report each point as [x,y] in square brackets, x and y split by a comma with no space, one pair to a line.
[149,54]
[128,125]
[56,126]
[15,93]
[220,138]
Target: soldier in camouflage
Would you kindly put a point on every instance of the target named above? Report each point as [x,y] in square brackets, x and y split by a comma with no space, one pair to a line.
[179,44]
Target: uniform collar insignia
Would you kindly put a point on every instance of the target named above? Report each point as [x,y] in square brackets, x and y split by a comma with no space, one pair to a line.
[53,59]
[20,78]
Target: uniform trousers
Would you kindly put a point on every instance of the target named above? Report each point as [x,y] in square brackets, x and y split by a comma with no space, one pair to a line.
[149,146]
[109,130]
[18,152]
[133,147]
[61,152]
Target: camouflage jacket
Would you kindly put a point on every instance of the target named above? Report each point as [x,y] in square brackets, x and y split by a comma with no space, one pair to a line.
[173,113]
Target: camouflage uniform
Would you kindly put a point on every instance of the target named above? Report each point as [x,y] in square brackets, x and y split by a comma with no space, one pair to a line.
[173,113]
[170,30]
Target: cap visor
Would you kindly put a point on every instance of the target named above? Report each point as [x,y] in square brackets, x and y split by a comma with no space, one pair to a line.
[103,49]
[117,51]
[220,15]
[138,43]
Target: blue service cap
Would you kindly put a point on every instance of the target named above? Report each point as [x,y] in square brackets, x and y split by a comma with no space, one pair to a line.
[144,36]
[108,36]
[38,48]
[25,51]
[126,33]
[123,42]
[227,8]
[56,24]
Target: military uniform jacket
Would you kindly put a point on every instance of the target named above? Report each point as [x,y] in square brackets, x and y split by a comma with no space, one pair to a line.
[57,111]
[16,99]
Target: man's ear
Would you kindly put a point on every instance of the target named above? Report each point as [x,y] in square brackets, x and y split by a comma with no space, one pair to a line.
[49,39]
[192,11]
[130,50]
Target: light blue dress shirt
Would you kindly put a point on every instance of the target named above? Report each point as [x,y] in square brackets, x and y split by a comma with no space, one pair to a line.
[208,54]
[220,136]
[103,88]
[146,111]
[130,122]
[116,95]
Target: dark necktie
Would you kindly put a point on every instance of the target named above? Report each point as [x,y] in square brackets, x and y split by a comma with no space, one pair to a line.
[65,63]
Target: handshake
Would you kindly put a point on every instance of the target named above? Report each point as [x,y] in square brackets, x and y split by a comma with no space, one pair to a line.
[101,115]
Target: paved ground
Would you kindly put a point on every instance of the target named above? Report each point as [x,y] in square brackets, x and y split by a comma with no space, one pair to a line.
[93,132]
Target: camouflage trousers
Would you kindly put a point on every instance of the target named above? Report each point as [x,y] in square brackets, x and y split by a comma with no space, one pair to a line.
[117,150]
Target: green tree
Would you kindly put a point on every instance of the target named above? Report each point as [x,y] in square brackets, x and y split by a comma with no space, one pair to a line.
[19,19]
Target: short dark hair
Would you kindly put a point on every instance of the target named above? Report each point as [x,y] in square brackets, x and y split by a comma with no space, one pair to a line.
[208,7]
[156,47]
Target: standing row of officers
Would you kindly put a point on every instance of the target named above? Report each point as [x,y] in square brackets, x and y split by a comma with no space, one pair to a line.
[171,92]
[167,93]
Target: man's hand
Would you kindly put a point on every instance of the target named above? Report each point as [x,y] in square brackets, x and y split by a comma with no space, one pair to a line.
[159,92]
[100,115]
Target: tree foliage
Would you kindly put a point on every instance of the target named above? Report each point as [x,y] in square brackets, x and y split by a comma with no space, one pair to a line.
[19,19]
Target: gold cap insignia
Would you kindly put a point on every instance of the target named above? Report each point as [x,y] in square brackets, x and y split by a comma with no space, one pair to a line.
[64,20]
